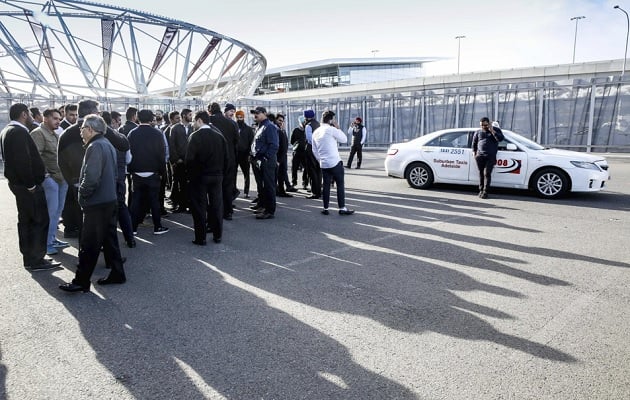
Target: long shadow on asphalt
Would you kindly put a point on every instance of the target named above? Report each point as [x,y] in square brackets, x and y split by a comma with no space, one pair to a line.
[200,337]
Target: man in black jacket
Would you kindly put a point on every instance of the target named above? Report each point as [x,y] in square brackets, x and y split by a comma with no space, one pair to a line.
[25,171]
[178,143]
[97,197]
[245,140]
[485,145]
[206,163]
[146,168]
[298,141]
[229,129]
[70,154]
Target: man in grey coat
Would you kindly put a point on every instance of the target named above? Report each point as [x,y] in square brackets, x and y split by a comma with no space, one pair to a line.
[98,200]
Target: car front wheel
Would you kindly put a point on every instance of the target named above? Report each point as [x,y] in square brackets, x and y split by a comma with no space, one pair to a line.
[419,176]
[550,183]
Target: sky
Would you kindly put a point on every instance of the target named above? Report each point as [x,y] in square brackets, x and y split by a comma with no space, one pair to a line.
[498,34]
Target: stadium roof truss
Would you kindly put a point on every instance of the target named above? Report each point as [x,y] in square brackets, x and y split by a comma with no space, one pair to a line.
[79,48]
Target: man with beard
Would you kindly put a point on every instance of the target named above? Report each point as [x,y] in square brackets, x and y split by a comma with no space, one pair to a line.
[54,185]
[206,163]
[70,158]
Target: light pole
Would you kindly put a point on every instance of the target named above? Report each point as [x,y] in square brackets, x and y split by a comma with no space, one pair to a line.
[625,55]
[459,43]
[575,37]
[374,52]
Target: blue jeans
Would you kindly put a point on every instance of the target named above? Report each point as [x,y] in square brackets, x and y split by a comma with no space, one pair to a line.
[55,200]
[335,172]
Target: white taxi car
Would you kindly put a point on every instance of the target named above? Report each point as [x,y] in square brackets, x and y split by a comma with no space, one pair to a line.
[446,157]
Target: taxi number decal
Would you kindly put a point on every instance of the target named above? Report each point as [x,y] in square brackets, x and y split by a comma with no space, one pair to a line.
[510,166]
[452,151]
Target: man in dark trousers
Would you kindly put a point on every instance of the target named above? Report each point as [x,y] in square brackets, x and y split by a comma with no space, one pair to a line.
[98,199]
[229,130]
[485,145]
[25,171]
[359,134]
[178,142]
[70,155]
[312,165]
[206,163]
[298,141]
[246,138]
[265,151]
[283,184]
[146,168]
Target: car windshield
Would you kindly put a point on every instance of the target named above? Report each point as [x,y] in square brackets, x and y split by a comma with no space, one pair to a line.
[526,142]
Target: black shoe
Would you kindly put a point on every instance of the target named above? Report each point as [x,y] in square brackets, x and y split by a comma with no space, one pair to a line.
[43,265]
[227,217]
[348,166]
[291,189]
[284,194]
[236,194]
[312,197]
[358,167]
[199,242]
[264,215]
[160,230]
[110,281]
[216,240]
[73,287]
[131,243]
[325,212]
[255,207]
[483,195]
[255,200]
[346,212]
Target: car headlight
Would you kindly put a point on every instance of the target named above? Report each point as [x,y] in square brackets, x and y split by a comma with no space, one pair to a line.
[585,165]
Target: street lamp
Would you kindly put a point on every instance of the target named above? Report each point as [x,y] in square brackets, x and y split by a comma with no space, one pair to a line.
[625,55]
[459,43]
[575,38]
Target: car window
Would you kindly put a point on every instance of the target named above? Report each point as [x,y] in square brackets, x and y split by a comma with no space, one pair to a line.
[459,139]
[503,144]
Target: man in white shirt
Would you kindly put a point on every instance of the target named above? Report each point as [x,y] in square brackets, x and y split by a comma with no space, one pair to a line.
[326,139]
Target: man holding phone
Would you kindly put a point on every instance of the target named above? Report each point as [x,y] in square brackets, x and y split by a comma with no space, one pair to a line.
[485,145]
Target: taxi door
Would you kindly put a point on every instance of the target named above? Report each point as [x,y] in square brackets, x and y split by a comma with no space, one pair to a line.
[510,169]
[449,155]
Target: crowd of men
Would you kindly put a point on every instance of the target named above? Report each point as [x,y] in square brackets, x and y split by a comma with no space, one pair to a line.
[82,166]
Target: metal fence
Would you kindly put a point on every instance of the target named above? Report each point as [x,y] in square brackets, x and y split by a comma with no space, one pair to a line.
[579,114]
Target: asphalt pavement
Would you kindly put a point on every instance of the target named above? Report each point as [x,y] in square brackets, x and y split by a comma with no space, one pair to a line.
[432,294]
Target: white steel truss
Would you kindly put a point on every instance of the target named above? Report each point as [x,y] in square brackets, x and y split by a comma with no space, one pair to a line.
[80,48]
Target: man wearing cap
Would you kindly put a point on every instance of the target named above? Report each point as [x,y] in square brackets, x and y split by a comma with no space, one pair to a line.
[147,166]
[312,166]
[359,133]
[246,138]
[265,149]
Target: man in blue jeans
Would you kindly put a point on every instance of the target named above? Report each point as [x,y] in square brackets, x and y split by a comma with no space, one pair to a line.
[326,140]
[55,187]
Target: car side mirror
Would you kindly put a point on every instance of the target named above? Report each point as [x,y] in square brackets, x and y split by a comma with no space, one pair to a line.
[511,147]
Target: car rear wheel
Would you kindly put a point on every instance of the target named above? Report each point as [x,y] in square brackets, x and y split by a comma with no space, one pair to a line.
[550,183]
[419,176]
